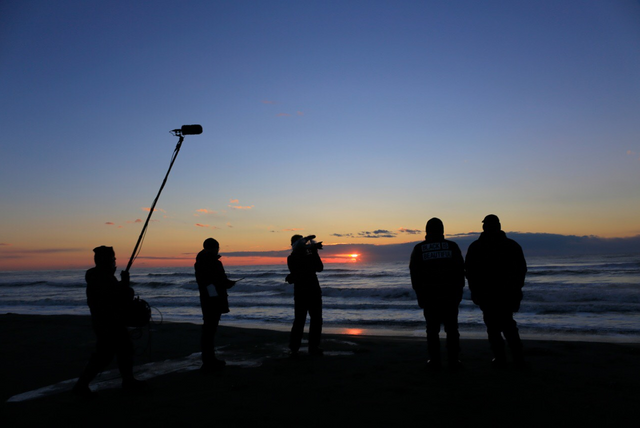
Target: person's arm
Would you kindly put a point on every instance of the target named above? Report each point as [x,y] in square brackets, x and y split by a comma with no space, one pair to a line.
[458,263]
[319,266]
[220,277]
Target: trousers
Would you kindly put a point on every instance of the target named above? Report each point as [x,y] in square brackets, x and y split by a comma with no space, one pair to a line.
[211,319]
[500,322]
[446,315]
[304,305]
[111,341]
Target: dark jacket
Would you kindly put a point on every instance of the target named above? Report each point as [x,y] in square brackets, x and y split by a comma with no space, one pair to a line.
[303,266]
[209,270]
[437,272]
[496,268]
[108,298]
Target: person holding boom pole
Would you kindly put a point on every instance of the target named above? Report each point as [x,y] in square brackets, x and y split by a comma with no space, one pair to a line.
[110,302]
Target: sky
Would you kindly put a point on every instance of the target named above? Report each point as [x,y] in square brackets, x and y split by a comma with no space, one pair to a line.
[356,121]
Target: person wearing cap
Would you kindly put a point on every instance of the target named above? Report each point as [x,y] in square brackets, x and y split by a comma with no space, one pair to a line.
[108,300]
[437,276]
[304,263]
[495,269]
[212,286]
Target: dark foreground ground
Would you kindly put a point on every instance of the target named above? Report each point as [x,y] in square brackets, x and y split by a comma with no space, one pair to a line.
[363,381]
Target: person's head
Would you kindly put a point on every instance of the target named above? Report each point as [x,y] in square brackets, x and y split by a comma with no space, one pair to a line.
[435,228]
[295,238]
[491,223]
[211,245]
[104,257]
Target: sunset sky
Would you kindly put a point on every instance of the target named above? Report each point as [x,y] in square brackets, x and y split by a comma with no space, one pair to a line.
[356,121]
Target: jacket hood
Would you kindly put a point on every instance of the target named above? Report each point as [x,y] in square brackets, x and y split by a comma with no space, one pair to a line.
[498,235]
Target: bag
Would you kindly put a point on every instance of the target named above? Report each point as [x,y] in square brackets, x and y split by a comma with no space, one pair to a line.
[138,313]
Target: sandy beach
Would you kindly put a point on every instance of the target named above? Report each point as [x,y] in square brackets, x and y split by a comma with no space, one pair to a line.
[361,381]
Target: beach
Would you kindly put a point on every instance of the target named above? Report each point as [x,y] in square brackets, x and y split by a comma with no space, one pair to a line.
[360,381]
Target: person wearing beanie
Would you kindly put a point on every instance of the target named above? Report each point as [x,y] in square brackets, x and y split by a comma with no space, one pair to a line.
[437,276]
[108,300]
[304,262]
[495,269]
[212,286]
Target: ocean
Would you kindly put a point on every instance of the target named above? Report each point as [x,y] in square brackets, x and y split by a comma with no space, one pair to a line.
[565,298]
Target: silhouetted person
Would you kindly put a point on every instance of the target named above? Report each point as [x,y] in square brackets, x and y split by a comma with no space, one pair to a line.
[108,300]
[212,285]
[304,262]
[437,276]
[495,269]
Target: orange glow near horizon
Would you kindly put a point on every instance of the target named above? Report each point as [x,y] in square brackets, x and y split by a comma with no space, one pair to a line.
[346,258]
[353,331]
[84,260]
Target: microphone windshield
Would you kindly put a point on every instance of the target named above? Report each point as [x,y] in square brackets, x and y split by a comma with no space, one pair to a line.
[191,130]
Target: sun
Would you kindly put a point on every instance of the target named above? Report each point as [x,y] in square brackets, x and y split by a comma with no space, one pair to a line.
[345,258]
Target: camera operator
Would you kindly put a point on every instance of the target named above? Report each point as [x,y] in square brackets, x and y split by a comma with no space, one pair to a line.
[304,262]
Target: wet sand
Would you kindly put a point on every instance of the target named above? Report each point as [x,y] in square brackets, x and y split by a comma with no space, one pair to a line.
[361,381]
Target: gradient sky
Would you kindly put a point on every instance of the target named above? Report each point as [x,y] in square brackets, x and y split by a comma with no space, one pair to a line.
[353,120]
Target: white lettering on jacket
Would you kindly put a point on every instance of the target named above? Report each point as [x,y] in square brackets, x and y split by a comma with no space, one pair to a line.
[436,250]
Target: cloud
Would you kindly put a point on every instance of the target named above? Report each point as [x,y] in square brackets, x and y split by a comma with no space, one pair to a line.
[205,211]
[4,244]
[110,223]
[342,235]
[229,225]
[380,233]
[238,207]
[410,231]
[147,209]
[234,201]
[533,244]
[632,153]
[165,258]
[18,253]
[267,102]
[206,225]
[293,229]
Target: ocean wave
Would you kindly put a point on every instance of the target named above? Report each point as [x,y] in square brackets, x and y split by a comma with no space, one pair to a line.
[169,274]
[23,284]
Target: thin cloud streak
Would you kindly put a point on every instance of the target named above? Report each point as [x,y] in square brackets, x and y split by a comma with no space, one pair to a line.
[533,244]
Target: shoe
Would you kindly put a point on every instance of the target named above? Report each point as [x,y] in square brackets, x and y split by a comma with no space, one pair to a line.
[214,365]
[82,391]
[135,385]
[317,352]
[499,363]
[455,365]
[219,363]
[434,365]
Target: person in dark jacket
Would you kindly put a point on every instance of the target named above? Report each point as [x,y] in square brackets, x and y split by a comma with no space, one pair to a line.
[108,300]
[304,262]
[212,285]
[437,276]
[496,268]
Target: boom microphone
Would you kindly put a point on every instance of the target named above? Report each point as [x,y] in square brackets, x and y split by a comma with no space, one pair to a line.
[184,130]
[188,130]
